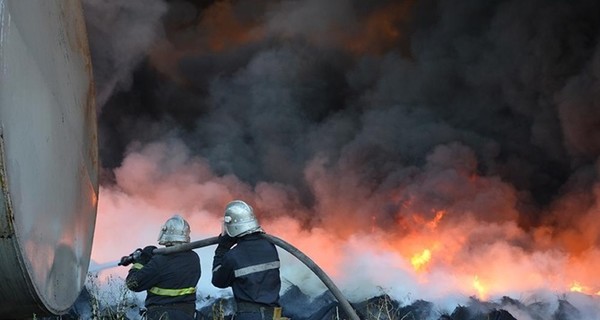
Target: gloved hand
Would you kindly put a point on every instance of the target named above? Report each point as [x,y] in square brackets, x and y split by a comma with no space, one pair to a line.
[131,258]
[145,255]
[226,241]
[126,260]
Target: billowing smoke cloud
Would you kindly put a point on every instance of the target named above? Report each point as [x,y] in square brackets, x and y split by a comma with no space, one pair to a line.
[120,35]
[451,141]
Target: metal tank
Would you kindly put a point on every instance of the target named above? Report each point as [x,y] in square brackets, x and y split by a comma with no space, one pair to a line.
[48,156]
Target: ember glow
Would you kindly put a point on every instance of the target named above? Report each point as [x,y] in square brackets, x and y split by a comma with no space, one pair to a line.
[429,149]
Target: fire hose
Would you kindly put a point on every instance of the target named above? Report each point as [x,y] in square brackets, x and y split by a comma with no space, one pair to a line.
[344,304]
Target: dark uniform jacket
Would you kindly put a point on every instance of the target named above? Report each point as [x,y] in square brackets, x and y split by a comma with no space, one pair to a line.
[251,269]
[170,280]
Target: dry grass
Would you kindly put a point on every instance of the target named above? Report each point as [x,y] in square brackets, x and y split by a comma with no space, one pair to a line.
[111,300]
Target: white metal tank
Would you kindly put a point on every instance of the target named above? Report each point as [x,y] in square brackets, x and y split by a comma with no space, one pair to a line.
[48,156]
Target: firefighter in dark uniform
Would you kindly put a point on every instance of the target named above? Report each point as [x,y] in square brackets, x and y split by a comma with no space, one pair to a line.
[248,263]
[169,280]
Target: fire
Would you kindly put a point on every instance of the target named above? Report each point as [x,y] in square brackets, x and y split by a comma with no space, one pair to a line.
[419,220]
[420,260]
[577,287]
[438,217]
[481,289]
[431,251]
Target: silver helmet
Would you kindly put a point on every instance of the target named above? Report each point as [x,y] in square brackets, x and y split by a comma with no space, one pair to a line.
[239,219]
[176,230]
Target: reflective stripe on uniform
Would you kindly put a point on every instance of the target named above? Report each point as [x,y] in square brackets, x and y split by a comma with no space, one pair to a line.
[137,266]
[172,292]
[256,268]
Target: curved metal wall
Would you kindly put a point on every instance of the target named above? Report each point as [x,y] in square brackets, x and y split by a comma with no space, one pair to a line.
[48,156]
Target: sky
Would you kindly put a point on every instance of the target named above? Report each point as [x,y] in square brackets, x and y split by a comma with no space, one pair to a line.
[423,148]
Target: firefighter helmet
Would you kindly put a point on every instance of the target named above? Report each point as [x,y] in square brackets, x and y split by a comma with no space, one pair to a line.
[176,230]
[239,219]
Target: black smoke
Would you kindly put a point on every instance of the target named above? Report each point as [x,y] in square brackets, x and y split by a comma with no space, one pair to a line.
[262,88]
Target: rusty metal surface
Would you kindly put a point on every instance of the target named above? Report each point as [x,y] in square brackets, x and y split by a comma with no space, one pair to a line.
[48,156]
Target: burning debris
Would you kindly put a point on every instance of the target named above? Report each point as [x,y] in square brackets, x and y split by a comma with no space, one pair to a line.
[300,306]
[442,150]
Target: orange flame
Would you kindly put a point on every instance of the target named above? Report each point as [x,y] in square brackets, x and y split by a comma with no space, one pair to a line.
[482,291]
[577,287]
[438,217]
[474,252]
[420,260]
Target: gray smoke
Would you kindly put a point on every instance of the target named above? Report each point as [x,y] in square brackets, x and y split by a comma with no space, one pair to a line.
[120,34]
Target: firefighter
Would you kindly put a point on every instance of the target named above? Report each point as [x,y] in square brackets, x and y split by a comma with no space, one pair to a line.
[169,280]
[248,263]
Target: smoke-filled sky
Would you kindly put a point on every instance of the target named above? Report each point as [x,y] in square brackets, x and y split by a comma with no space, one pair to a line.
[420,147]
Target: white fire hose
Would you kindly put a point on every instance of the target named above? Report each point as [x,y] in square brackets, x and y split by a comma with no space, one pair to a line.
[344,304]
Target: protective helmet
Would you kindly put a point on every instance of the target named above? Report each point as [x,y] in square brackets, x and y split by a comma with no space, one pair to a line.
[176,230]
[239,219]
